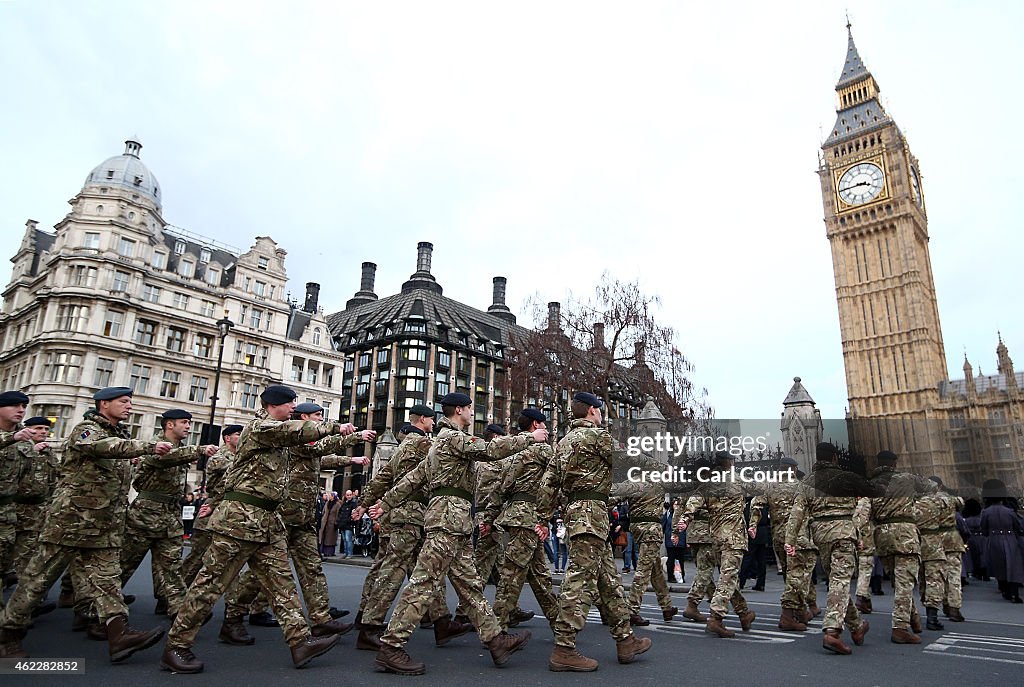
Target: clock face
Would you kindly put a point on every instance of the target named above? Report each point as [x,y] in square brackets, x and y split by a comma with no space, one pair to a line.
[915,186]
[861,183]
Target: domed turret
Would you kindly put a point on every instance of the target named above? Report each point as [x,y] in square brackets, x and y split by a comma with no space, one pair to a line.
[126,171]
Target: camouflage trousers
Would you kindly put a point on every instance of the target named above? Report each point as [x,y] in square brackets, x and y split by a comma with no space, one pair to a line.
[8,537]
[166,562]
[97,576]
[902,569]
[397,556]
[649,538]
[703,585]
[799,593]
[24,545]
[305,555]
[954,592]
[839,560]
[193,562]
[443,553]
[591,578]
[865,564]
[485,557]
[524,561]
[933,582]
[221,564]
[728,589]
[371,580]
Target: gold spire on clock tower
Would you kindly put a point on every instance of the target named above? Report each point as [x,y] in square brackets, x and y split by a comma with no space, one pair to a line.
[877,224]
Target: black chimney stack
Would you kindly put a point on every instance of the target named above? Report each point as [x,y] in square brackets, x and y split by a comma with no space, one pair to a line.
[312,297]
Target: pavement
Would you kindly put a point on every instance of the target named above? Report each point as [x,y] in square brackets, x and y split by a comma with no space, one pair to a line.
[987,649]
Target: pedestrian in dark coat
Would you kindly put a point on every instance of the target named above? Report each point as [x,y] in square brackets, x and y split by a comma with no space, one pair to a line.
[1004,558]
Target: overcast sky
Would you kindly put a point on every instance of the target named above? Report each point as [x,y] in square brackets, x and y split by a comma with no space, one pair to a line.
[676,143]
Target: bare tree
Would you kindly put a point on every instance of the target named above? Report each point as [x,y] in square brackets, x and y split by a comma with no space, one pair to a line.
[610,343]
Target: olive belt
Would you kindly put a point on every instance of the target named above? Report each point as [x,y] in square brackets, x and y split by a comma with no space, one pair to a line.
[242,497]
[822,518]
[158,497]
[644,520]
[588,495]
[29,500]
[420,499]
[936,530]
[452,491]
[893,521]
[9,498]
[522,496]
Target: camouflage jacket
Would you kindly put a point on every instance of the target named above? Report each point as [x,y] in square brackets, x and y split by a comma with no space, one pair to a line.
[513,502]
[11,465]
[725,502]
[865,528]
[827,499]
[487,481]
[35,486]
[448,468]
[410,453]
[951,539]
[646,499]
[216,468]
[698,530]
[91,498]
[929,518]
[160,484]
[260,471]
[581,469]
[780,498]
[894,510]
[304,465]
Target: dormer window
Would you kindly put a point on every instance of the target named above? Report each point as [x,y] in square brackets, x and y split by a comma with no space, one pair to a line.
[205,255]
[110,174]
[316,336]
[263,263]
[179,247]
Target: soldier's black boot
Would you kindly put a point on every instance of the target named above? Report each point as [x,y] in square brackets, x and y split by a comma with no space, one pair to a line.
[932,622]
[123,640]
[263,619]
[180,661]
[10,643]
[80,621]
[520,616]
[43,608]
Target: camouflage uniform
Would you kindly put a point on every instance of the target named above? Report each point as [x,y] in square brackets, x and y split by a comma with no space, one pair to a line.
[447,473]
[246,529]
[524,560]
[645,500]
[932,511]
[581,469]
[725,502]
[799,593]
[85,520]
[11,466]
[38,478]
[830,514]
[866,555]
[216,468]
[401,534]
[699,541]
[298,513]
[154,520]
[953,545]
[894,514]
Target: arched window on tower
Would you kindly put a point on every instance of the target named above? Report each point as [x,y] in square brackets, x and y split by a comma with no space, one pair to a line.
[316,336]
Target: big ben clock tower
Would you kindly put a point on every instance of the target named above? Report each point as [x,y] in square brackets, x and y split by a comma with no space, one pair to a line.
[877,223]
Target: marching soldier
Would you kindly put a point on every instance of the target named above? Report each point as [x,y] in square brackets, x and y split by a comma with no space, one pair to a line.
[827,500]
[725,500]
[297,513]
[705,557]
[86,520]
[894,512]
[154,518]
[953,545]
[401,538]
[932,510]
[216,468]
[582,470]
[513,507]
[246,529]
[447,472]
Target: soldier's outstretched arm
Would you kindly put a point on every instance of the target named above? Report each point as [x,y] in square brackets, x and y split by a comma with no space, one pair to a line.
[272,434]
[476,448]
[111,447]
[179,456]
[405,487]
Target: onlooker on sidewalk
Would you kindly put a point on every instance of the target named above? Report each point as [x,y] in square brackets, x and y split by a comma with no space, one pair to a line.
[345,524]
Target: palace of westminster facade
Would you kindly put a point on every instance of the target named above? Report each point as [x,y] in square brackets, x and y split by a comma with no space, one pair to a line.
[117,295]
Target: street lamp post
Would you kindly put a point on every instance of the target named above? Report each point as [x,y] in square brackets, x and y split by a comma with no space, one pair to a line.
[224,326]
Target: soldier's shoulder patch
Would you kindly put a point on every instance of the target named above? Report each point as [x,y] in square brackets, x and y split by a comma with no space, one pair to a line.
[85,434]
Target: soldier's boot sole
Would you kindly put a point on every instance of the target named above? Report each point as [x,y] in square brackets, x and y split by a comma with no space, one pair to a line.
[149,639]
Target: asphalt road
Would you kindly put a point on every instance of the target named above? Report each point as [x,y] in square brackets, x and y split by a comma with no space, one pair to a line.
[988,649]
